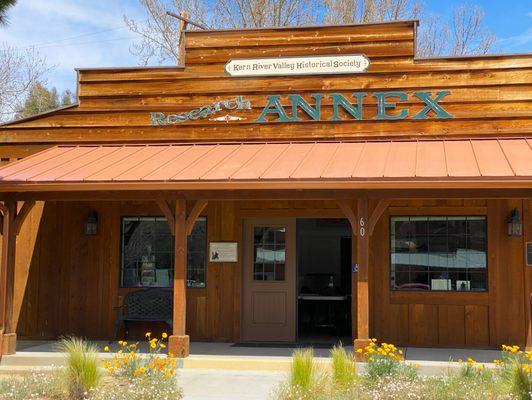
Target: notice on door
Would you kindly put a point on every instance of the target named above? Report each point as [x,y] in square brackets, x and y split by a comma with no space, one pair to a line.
[310,65]
[529,254]
[223,252]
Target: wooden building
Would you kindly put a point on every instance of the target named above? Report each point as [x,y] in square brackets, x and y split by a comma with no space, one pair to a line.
[279,197]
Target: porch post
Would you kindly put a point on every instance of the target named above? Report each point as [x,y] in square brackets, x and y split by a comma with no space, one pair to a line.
[8,336]
[363,234]
[179,342]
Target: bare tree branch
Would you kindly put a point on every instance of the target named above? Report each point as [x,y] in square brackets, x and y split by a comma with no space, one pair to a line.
[19,71]
[158,32]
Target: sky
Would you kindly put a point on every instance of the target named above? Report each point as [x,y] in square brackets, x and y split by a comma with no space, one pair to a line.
[91,33]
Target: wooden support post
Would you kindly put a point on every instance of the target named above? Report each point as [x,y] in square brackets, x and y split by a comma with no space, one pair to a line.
[8,336]
[362,339]
[179,342]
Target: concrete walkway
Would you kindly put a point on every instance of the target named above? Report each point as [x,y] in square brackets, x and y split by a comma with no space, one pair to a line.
[230,358]
[228,385]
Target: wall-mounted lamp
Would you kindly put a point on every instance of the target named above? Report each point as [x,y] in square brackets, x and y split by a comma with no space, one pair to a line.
[515,226]
[91,224]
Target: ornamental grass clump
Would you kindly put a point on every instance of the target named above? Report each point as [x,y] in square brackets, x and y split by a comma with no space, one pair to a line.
[305,381]
[343,368]
[81,373]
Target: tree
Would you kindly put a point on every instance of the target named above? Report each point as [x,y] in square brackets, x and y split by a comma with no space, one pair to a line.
[67,98]
[159,34]
[367,11]
[19,71]
[464,34]
[39,100]
[4,6]
[264,13]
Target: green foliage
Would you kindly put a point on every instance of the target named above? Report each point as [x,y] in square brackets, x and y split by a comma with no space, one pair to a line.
[302,370]
[516,370]
[343,367]
[81,373]
[4,6]
[41,99]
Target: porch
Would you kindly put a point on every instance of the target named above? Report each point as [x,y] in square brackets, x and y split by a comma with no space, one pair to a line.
[84,178]
[235,356]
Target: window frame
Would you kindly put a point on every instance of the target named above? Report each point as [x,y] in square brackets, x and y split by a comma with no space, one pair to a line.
[121,251]
[446,214]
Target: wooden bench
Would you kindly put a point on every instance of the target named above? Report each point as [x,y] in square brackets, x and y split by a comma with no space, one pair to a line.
[147,305]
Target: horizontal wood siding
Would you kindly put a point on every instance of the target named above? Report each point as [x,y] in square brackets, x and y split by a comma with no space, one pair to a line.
[490,95]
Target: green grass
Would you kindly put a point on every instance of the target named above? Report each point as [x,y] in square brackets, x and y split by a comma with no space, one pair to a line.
[81,372]
[343,367]
[302,371]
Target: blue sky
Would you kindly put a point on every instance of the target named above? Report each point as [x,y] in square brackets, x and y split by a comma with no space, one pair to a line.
[91,33]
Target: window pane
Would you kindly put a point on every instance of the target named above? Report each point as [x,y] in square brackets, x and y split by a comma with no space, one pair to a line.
[148,253]
[438,253]
[269,253]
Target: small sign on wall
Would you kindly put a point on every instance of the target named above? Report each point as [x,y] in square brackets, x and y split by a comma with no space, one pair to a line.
[528,249]
[223,252]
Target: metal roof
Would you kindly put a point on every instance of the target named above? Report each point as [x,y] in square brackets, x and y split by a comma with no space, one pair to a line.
[349,164]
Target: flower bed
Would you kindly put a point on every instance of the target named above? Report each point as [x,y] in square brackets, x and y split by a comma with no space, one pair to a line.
[388,377]
[130,375]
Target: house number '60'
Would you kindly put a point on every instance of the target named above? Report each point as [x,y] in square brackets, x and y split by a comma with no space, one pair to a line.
[362,229]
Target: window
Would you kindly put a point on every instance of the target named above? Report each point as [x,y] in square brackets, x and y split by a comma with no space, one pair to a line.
[269,253]
[148,253]
[438,253]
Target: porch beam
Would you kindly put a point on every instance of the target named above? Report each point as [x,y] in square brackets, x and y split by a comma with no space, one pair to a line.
[8,336]
[282,194]
[197,209]
[347,209]
[167,212]
[179,342]
[381,207]
[27,206]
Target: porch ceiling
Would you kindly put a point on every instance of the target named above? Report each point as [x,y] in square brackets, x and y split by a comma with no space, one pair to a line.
[415,164]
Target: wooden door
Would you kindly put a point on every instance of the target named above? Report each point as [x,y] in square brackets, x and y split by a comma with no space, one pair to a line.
[269,282]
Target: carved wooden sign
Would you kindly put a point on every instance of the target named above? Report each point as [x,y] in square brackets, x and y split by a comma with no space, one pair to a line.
[309,65]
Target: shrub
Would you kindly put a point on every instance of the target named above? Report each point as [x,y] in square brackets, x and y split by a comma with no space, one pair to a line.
[516,370]
[386,359]
[81,373]
[147,376]
[343,368]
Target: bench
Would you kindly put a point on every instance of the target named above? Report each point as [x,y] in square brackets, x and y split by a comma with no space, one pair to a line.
[147,305]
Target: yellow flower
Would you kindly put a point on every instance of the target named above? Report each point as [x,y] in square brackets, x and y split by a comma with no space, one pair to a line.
[164,335]
[153,345]
[148,334]
[119,352]
[162,345]
[480,367]
[106,348]
[132,347]
[359,351]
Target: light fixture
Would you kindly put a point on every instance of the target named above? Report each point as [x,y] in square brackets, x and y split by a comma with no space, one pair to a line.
[91,224]
[515,226]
